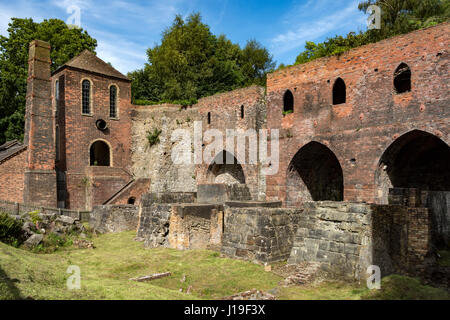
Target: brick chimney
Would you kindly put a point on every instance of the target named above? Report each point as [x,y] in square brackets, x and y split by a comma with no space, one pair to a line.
[40,175]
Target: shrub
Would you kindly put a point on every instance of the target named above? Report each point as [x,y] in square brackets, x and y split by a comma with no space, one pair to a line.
[10,230]
[153,137]
[34,216]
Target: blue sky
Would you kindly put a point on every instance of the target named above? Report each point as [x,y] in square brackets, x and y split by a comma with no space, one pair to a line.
[125,29]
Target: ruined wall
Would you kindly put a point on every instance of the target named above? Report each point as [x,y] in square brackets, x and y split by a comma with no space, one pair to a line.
[195,226]
[154,215]
[155,162]
[374,115]
[346,238]
[260,234]
[12,173]
[239,109]
[118,218]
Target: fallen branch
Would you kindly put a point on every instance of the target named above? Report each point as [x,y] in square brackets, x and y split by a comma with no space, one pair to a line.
[152,277]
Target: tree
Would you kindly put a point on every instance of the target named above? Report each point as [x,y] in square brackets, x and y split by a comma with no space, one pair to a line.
[398,17]
[66,43]
[191,63]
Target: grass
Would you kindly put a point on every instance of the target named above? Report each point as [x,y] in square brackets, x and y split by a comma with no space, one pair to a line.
[444,260]
[106,270]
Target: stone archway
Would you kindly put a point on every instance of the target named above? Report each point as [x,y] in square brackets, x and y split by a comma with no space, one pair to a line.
[314,174]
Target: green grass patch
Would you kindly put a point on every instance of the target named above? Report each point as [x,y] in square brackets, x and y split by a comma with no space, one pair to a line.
[444,260]
[397,287]
[106,270]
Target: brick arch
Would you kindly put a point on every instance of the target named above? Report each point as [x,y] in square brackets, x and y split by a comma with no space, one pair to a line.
[417,159]
[225,172]
[105,142]
[314,174]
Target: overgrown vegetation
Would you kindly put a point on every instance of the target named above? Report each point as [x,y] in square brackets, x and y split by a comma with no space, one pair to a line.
[107,269]
[10,230]
[398,17]
[34,216]
[184,103]
[153,137]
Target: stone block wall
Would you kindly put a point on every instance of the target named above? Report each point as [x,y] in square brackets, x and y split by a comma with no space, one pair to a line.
[337,235]
[195,226]
[107,219]
[346,238]
[154,216]
[259,234]
[220,193]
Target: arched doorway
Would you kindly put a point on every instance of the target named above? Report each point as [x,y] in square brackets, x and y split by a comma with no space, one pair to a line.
[415,160]
[100,154]
[419,160]
[314,174]
[226,172]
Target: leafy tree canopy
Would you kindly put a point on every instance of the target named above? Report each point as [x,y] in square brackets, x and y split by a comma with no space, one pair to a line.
[397,17]
[191,62]
[66,43]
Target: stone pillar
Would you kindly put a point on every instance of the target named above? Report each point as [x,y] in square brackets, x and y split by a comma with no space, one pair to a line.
[40,175]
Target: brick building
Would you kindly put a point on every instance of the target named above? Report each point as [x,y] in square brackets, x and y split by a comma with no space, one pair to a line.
[351,127]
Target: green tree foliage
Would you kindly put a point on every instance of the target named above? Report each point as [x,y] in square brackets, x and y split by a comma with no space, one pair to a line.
[66,43]
[191,63]
[397,17]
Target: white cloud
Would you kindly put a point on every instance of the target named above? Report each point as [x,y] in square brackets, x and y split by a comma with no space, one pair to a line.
[332,16]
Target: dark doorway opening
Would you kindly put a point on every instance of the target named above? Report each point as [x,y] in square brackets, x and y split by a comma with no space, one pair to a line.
[339,92]
[100,154]
[402,79]
[288,102]
[314,174]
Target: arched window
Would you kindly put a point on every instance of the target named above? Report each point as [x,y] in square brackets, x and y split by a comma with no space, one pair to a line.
[288,102]
[57,93]
[113,102]
[339,92]
[100,154]
[209,117]
[132,200]
[402,78]
[86,97]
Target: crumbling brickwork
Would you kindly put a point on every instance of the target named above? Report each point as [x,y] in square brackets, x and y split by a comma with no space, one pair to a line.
[374,116]
[40,175]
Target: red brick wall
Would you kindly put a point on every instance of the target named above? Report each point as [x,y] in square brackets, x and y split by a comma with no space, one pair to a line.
[12,177]
[225,109]
[81,132]
[373,116]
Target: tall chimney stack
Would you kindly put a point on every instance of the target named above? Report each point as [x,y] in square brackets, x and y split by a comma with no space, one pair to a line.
[40,175]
